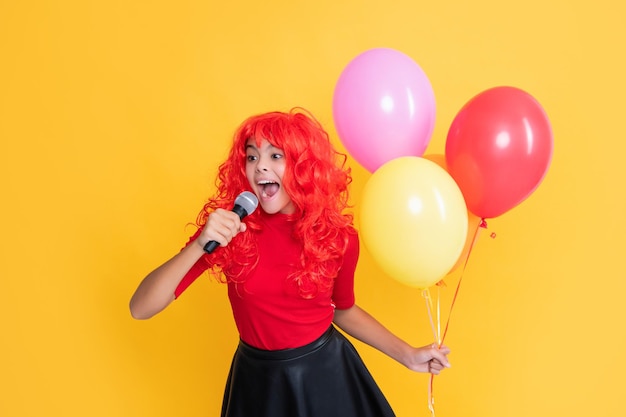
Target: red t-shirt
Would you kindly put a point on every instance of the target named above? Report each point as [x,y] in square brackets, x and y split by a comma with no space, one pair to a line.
[268,311]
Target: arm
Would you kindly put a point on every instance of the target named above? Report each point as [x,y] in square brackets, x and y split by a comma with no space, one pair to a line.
[362,326]
[156,291]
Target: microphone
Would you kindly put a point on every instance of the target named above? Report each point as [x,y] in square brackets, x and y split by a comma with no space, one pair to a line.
[245,204]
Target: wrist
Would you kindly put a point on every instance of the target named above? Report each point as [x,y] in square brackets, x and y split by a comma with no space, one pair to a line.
[198,245]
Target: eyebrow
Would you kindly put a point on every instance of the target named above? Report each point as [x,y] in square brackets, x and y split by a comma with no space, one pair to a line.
[253,146]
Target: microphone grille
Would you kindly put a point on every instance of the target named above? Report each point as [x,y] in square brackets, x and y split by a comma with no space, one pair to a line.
[247,201]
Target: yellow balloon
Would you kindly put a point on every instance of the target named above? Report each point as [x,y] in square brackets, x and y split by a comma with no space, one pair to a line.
[413,220]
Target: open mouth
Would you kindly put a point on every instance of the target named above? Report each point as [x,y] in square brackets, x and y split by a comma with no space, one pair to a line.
[268,188]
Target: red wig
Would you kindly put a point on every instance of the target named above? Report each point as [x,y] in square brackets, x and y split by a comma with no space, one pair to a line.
[316,179]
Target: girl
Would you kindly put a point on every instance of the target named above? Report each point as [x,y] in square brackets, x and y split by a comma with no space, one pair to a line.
[290,272]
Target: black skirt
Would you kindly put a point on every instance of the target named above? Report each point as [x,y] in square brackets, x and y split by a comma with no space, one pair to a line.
[325,378]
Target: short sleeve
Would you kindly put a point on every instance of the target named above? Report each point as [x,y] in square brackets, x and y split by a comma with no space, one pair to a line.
[194,272]
[343,292]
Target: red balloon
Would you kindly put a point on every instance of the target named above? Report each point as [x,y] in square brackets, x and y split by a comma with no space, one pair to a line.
[498,149]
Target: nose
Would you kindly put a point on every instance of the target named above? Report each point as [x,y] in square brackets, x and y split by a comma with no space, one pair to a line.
[261,166]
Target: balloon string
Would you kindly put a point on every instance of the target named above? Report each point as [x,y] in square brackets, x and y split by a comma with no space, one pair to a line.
[482,224]
[436,333]
[429,309]
[431,398]
[438,315]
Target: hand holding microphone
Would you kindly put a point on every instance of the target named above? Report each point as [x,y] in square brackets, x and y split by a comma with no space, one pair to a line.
[245,204]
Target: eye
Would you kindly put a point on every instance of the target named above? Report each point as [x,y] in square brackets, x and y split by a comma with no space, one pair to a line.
[277,155]
[251,158]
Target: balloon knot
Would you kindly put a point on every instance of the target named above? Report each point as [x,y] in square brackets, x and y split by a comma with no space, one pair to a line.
[483,223]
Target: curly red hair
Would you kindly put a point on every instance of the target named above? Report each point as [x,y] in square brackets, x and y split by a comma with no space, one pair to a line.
[316,179]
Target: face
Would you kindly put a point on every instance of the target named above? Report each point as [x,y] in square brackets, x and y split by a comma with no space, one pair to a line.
[265,167]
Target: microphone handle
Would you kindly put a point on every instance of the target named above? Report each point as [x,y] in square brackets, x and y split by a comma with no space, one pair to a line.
[211,245]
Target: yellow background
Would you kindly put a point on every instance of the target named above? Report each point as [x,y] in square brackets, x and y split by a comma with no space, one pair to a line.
[114,116]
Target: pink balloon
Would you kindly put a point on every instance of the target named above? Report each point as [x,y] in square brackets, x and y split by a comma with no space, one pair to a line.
[383,107]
